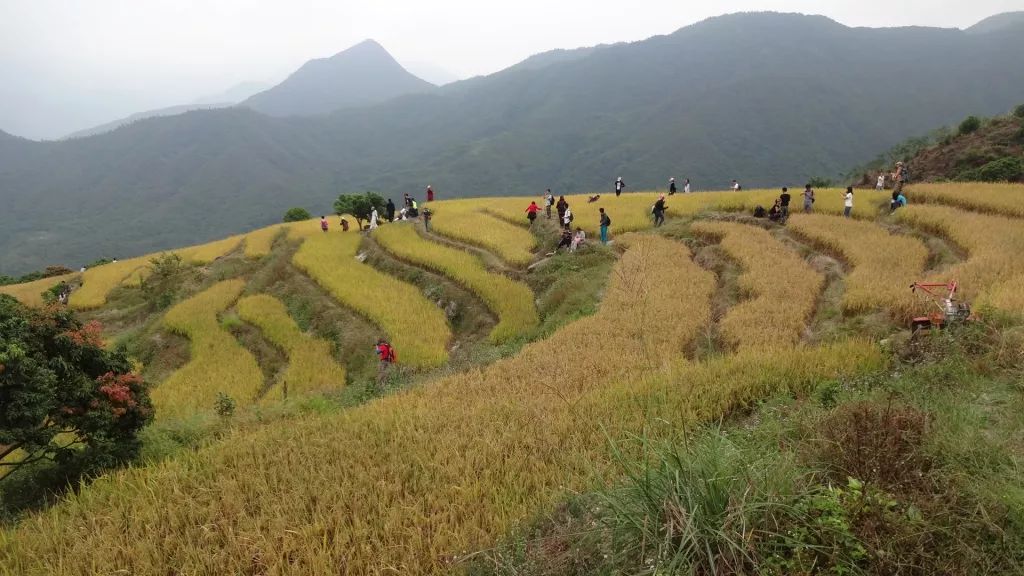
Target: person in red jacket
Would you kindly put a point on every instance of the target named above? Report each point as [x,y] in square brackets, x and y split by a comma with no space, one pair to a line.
[386,354]
[531,212]
[430,194]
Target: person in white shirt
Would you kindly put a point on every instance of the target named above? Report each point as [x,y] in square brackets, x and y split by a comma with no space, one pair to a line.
[567,218]
[373,218]
[881,182]
[686,186]
[736,186]
[848,201]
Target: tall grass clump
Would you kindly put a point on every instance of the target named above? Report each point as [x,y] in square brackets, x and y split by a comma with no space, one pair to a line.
[311,368]
[511,301]
[416,327]
[782,288]
[31,293]
[466,221]
[884,265]
[1005,199]
[994,245]
[218,363]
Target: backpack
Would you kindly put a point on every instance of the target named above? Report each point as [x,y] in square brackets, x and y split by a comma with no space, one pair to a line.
[606,221]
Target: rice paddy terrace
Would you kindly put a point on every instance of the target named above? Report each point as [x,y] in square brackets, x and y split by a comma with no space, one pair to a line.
[518,371]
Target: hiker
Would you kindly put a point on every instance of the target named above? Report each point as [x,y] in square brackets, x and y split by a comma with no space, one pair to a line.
[577,239]
[531,212]
[344,224]
[848,202]
[686,186]
[323,223]
[389,211]
[659,211]
[407,200]
[414,208]
[784,199]
[880,185]
[566,240]
[605,223]
[373,218]
[386,355]
[427,215]
[561,207]
[430,194]
[671,186]
[619,186]
[736,186]
[567,218]
[775,212]
[901,201]
[901,177]
[549,201]
[593,198]
[808,199]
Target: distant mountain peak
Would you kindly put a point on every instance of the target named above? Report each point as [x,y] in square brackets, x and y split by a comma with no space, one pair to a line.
[362,75]
[998,22]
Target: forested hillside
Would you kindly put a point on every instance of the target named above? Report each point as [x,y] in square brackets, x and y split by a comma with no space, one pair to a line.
[764,98]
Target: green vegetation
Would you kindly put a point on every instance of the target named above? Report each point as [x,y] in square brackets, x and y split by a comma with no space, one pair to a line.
[970,125]
[1008,169]
[68,407]
[360,206]
[297,215]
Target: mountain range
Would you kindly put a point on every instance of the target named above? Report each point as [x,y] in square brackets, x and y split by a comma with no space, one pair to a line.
[766,98]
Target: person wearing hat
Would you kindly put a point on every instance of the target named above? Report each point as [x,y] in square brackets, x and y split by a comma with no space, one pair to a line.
[901,176]
[619,186]
[671,186]
[659,211]
[430,194]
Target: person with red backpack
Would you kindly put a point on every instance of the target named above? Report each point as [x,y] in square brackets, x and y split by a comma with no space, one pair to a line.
[386,354]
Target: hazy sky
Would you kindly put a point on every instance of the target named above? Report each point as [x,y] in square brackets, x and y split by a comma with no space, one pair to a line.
[71,64]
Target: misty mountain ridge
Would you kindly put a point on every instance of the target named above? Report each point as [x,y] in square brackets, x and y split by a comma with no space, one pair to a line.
[364,74]
[769,99]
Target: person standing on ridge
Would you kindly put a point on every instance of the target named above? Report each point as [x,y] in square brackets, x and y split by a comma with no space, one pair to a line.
[880,185]
[323,223]
[808,199]
[407,200]
[659,211]
[736,186]
[901,177]
[373,218]
[427,215]
[671,186]
[389,211]
[387,357]
[531,212]
[606,222]
[430,194]
[561,207]
[344,224]
[567,218]
[619,186]
[549,201]
[686,186]
[848,202]
[784,199]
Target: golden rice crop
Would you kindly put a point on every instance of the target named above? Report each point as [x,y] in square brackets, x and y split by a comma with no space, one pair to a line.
[465,220]
[630,212]
[416,327]
[782,287]
[31,293]
[1006,199]
[511,301]
[206,253]
[259,242]
[218,362]
[884,265]
[311,367]
[405,483]
[98,281]
[994,245]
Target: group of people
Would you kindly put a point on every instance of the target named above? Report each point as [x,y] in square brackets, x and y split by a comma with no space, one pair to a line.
[410,209]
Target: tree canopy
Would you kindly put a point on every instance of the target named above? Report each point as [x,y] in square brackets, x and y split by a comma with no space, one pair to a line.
[297,214]
[359,205]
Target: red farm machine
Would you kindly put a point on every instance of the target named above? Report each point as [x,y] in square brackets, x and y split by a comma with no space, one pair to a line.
[947,309]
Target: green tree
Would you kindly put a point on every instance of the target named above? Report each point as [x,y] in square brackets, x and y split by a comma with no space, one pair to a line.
[359,205]
[969,125]
[161,285]
[297,214]
[1019,111]
[65,400]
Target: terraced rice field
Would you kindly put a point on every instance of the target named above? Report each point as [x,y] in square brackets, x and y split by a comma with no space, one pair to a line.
[258,243]
[511,301]
[416,327]
[97,282]
[463,220]
[1005,199]
[31,293]
[994,245]
[883,265]
[781,288]
[218,362]
[311,366]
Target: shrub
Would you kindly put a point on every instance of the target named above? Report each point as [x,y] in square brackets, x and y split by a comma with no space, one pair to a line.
[1019,111]
[969,125]
[297,215]
[1007,169]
